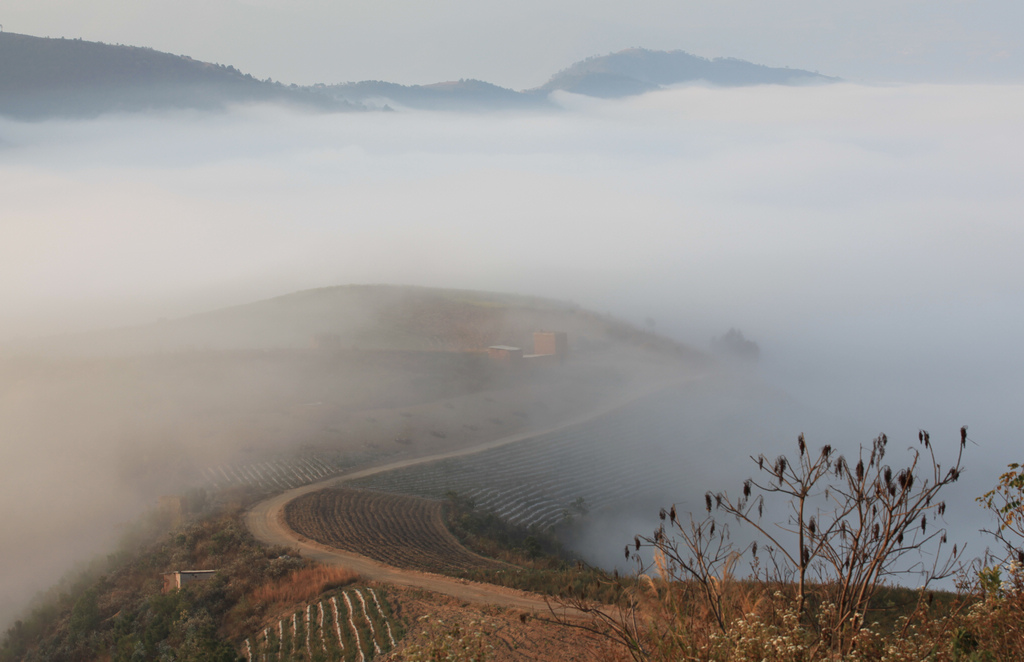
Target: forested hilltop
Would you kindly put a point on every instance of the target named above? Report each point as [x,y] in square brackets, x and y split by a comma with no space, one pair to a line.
[42,77]
[638,70]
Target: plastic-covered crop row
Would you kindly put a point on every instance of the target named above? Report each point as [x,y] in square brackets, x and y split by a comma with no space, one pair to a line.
[279,474]
[350,626]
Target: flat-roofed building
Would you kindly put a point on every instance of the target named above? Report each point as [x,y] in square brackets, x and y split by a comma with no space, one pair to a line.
[175,580]
[551,343]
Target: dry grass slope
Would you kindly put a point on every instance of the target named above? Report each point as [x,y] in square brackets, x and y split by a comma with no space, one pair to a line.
[303,585]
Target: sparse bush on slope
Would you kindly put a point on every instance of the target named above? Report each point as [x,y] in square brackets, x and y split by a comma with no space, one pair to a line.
[121,613]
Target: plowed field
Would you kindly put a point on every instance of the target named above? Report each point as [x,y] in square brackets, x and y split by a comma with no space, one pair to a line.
[401,531]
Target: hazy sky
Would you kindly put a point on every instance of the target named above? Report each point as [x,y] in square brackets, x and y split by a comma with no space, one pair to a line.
[520,44]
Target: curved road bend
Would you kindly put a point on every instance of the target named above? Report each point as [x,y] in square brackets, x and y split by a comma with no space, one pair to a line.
[266,522]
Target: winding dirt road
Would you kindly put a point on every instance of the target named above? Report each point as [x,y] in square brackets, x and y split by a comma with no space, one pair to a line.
[266,522]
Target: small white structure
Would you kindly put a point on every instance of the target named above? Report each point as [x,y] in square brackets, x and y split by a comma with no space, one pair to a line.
[504,353]
[175,580]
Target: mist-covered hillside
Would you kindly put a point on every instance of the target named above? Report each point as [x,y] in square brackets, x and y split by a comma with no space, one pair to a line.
[42,77]
[638,70]
[361,317]
[96,426]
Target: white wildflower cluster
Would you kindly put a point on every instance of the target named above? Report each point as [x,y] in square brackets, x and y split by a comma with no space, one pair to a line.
[1014,582]
[752,639]
[779,636]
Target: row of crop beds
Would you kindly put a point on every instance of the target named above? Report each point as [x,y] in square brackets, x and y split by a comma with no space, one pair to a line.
[354,625]
[612,460]
[402,531]
[272,475]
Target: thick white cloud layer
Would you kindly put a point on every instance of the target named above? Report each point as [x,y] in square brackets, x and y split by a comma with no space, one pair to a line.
[867,237]
[796,213]
[755,205]
[822,220]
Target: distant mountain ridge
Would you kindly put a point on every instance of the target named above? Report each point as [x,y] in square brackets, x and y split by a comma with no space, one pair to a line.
[616,75]
[44,77]
[638,70]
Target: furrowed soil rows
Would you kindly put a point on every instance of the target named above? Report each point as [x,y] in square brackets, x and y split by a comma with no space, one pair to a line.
[401,531]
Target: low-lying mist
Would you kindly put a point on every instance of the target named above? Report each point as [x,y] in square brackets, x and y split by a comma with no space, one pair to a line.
[866,237]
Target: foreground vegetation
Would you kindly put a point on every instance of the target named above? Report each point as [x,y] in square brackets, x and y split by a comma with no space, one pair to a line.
[821,586]
[668,621]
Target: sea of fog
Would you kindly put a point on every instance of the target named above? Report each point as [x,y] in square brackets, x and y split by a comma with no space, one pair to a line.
[868,238]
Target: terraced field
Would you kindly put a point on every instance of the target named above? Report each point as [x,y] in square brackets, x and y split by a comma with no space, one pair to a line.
[271,475]
[401,531]
[354,625]
[616,459]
